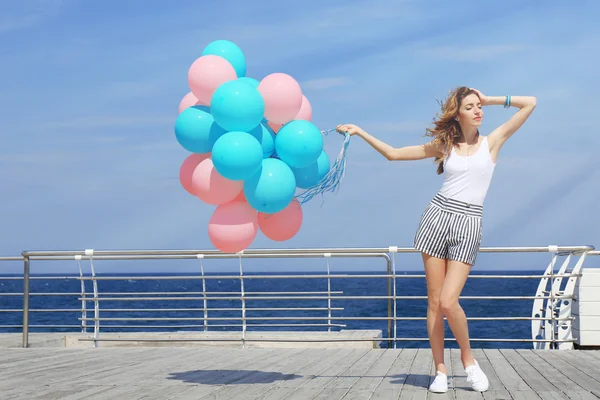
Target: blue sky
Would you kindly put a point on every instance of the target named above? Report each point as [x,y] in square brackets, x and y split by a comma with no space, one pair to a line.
[90,92]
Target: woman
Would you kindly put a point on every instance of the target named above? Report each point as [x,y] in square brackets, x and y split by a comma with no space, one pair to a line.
[449,233]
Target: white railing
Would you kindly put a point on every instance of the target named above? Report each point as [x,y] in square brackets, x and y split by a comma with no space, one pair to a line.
[550,318]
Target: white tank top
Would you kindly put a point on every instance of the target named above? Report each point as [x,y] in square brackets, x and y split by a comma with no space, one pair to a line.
[467,178]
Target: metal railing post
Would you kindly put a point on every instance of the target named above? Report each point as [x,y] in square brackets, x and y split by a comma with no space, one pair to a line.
[328,256]
[552,309]
[390,306]
[25,301]
[243,298]
[205,303]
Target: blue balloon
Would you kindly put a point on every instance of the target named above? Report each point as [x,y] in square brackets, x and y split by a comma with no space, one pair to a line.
[237,106]
[299,143]
[251,81]
[196,130]
[237,155]
[229,51]
[271,188]
[265,135]
[311,175]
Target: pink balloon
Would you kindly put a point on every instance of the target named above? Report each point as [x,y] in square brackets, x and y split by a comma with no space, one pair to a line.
[206,74]
[240,197]
[187,170]
[305,112]
[282,225]
[233,226]
[188,101]
[274,126]
[282,96]
[211,187]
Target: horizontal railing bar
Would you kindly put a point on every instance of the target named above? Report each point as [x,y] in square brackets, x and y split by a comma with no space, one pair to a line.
[176,326]
[219,293]
[314,276]
[42,326]
[40,278]
[319,298]
[210,256]
[11,258]
[316,319]
[248,252]
[157,293]
[45,310]
[318,276]
[107,310]
[225,326]
[43,294]
[319,340]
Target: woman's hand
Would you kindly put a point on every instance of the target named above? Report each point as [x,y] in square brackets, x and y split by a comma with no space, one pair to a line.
[484,99]
[349,128]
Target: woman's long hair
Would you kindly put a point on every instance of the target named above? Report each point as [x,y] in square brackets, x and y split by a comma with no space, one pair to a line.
[446,131]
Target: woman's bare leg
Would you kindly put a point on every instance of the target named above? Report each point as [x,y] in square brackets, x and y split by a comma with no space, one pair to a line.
[435,273]
[456,277]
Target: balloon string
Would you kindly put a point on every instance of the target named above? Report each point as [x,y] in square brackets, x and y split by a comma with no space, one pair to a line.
[332,180]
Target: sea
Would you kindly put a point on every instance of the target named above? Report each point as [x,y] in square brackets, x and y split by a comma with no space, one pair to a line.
[65,293]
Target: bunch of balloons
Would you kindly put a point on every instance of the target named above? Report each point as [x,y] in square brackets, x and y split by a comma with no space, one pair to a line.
[252,146]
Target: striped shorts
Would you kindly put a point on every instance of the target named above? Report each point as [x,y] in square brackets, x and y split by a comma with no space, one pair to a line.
[450,229]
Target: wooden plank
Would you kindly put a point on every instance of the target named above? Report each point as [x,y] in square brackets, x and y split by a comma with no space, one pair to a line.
[416,384]
[63,368]
[558,378]
[227,371]
[350,374]
[496,389]
[419,374]
[293,369]
[314,386]
[572,372]
[283,388]
[342,384]
[134,383]
[510,379]
[590,357]
[366,384]
[450,394]
[577,359]
[213,380]
[100,363]
[593,353]
[391,385]
[268,374]
[462,388]
[530,375]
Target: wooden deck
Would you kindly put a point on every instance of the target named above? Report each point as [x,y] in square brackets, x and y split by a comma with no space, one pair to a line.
[296,373]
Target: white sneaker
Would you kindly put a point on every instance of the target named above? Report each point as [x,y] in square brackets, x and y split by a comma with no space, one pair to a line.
[479,382]
[439,384]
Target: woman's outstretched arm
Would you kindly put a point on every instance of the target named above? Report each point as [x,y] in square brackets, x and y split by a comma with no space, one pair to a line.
[417,152]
